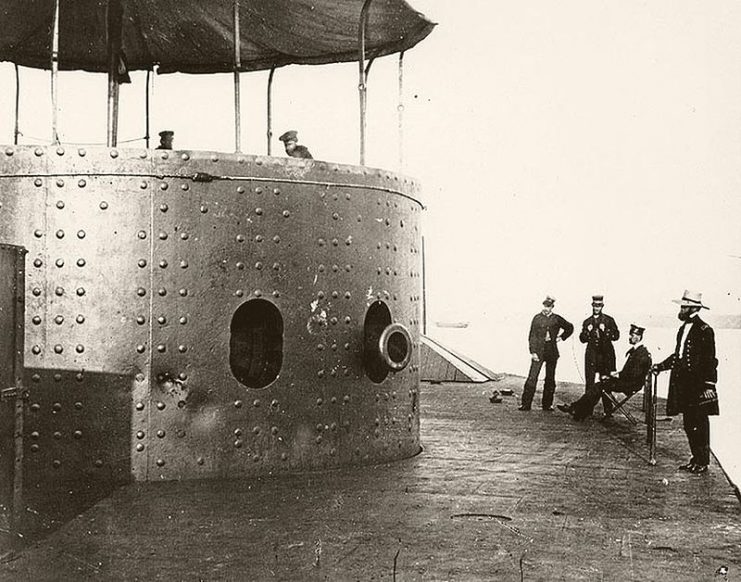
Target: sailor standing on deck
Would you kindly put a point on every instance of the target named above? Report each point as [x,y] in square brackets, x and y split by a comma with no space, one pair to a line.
[694,372]
[598,332]
[546,329]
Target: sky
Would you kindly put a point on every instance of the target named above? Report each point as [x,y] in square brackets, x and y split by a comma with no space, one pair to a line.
[585,147]
[565,148]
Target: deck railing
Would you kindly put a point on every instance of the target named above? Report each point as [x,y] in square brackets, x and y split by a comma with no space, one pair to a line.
[650,407]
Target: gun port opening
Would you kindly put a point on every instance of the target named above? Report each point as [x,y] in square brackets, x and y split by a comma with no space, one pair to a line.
[256,343]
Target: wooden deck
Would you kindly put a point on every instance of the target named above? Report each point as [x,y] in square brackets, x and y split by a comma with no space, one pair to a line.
[497,494]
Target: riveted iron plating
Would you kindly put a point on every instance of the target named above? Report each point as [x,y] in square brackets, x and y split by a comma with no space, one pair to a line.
[139,274]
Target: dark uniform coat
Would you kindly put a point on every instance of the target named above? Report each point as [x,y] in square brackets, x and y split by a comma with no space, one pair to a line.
[600,353]
[546,327]
[301,152]
[633,375]
[630,380]
[695,372]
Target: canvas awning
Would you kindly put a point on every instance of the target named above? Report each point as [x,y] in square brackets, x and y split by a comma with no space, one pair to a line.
[197,36]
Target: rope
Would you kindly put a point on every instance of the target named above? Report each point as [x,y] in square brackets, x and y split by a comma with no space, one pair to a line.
[43,140]
[576,363]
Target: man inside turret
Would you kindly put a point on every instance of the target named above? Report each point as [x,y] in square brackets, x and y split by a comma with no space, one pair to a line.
[166,138]
[290,141]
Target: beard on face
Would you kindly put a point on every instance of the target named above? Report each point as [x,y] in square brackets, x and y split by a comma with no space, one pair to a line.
[684,314]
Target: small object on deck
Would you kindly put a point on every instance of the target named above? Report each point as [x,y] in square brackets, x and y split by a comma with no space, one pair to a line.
[495,397]
[507,392]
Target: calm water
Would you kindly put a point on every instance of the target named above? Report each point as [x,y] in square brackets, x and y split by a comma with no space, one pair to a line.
[501,345]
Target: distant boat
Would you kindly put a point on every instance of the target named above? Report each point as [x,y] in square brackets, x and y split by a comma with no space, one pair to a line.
[455,324]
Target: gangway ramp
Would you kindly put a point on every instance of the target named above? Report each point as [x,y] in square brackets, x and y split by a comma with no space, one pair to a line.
[441,364]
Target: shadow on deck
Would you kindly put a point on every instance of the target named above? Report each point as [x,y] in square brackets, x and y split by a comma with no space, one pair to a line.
[497,494]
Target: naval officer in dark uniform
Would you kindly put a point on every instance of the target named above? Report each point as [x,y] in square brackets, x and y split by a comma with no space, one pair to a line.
[628,381]
[290,142]
[598,332]
[694,372]
[546,329]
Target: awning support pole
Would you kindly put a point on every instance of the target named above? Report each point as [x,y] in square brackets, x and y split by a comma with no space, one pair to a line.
[424,290]
[146,111]
[55,74]
[237,67]
[400,109]
[114,18]
[270,110]
[112,134]
[17,130]
[362,75]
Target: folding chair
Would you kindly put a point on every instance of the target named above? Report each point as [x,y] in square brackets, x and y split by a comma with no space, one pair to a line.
[619,405]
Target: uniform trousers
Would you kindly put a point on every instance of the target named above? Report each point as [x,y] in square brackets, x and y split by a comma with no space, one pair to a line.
[697,427]
[550,359]
[591,368]
[585,405]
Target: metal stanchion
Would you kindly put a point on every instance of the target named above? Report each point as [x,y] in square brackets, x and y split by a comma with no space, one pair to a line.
[647,408]
[651,408]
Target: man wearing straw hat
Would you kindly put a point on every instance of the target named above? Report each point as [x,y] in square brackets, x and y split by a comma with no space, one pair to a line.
[694,372]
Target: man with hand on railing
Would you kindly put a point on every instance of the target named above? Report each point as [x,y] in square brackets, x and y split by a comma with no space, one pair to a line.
[694,372]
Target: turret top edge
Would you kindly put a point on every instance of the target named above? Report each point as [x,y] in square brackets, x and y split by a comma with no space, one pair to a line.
[20,159]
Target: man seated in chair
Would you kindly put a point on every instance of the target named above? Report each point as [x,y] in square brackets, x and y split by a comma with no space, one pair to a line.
[628,381]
